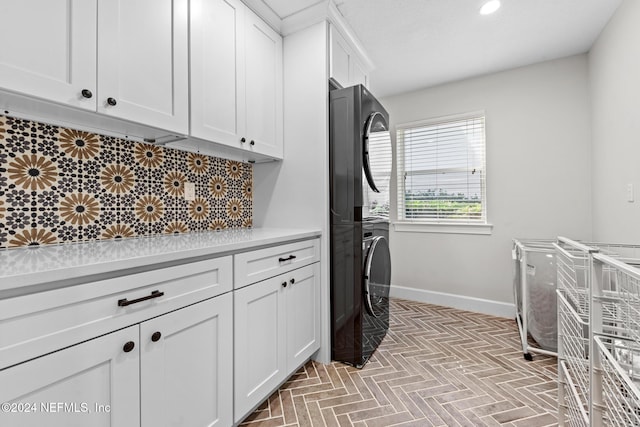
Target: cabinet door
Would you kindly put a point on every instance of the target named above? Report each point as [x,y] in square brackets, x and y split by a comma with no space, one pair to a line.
[345,67]
[303,315]
[217,71]
[49,49]
[263,87]
[186,373]
[259,343]
[340,58]
[143,62]
[95,383]
[358,76]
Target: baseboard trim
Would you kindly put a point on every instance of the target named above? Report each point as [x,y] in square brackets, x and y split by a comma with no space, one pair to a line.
[478,305]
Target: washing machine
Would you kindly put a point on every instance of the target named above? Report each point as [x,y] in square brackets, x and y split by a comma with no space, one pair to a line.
[360,262]
[376,275]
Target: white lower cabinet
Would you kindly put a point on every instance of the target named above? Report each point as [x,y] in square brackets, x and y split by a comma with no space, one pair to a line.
[173,346]
[95,383]
[168,371]
[259,330]
[276,329]
[303,315]
[185,374]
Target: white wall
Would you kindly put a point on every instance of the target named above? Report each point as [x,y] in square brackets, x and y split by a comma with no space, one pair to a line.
[538,180]
[614,85]
[294,193]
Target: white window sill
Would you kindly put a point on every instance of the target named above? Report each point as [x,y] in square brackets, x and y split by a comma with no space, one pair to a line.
[425,227]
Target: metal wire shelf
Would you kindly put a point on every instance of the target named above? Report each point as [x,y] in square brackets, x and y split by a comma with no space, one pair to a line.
[571,399]
[599,333]
[572,261]
[618,383]
[573,347]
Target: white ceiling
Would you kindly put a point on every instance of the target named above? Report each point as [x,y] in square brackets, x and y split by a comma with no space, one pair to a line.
[420,43]
[285,8]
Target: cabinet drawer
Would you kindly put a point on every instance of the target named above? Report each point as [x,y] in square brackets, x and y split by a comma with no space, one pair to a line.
[251,267]
[33,325]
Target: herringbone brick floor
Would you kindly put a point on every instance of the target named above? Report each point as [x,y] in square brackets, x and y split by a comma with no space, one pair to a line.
[437,366]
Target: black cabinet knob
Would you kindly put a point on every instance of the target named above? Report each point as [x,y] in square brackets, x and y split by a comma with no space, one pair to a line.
[292,281]
[87,93]
[111,101]
[252,142]
[129,346]
[156,336]
[284,284]
[243,139]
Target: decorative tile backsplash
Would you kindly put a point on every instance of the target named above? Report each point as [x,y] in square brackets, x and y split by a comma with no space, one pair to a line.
[62,185]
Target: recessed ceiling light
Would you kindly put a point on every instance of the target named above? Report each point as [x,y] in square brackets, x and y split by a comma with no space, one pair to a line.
[489,7]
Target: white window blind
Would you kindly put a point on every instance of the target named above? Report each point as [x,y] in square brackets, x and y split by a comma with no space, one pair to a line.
[441,170]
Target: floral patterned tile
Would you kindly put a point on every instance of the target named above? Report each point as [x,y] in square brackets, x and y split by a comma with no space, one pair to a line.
[30,171]
[3,182]
[61,185]
[198,170]
[199,211]
[167,184]
[176,225]
[123,182]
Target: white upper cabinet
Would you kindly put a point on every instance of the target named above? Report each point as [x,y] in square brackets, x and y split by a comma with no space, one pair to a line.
[143,62]
[263,60]
[340,58]
[126,59]
[345,66]
[217,70]
[236,78]
[358,74]
[50,49]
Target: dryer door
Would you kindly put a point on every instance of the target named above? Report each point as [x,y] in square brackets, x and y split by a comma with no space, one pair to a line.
[377,277]
[376,156]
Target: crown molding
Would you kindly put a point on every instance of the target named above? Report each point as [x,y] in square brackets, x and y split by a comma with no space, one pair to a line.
[323,10]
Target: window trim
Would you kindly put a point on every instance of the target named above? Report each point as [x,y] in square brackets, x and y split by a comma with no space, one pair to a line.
[441,227]
[436,225]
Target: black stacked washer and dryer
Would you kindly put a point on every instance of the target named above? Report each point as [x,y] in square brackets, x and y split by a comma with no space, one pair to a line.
[360,258]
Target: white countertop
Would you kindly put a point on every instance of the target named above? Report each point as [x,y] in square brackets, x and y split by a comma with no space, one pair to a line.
[31,266]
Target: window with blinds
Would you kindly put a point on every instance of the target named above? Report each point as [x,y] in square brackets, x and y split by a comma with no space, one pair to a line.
[380,161]
[441,170]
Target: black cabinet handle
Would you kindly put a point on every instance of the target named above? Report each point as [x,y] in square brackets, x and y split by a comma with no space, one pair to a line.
[87,93]
[243,139]
[111,101]
[289,258]
[252,142]
[125,302]
[156,336]
[284,284]
[129,346]
[292,281]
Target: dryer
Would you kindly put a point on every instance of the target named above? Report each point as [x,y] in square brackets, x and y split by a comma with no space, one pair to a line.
[360,261]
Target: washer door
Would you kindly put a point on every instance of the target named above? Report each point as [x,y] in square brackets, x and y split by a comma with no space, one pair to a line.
[376,138]
[377,277]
